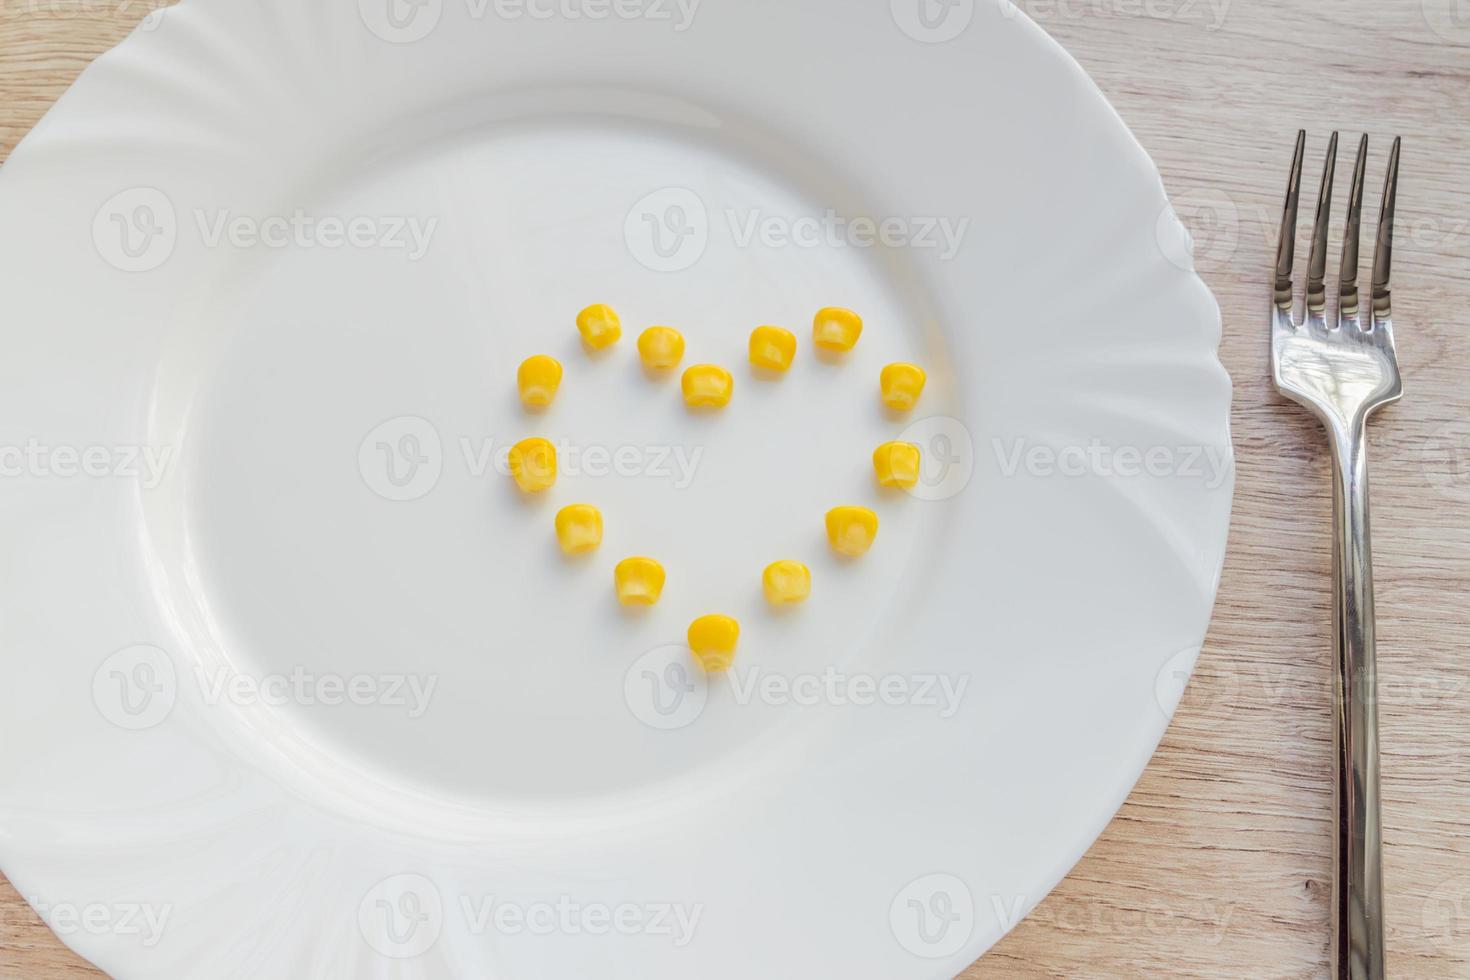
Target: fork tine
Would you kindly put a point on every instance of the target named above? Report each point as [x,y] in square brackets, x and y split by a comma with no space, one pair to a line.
[1383,255]
[1317,264]
[1347,289]
[1286,247]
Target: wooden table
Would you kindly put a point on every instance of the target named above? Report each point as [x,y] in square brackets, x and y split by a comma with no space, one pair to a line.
[1219,863]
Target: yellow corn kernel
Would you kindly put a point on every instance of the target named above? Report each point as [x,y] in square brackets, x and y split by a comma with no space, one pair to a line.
[713,639]
[579,528]
[851,530]
[533,464]
[787,582]
[640,581]
[772,348]
[600,326]
[539,380]
[897,465]
[661,348]
[902,385]
[837,329]
[707,386]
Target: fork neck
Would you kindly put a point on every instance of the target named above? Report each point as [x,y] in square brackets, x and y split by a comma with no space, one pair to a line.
[1357,892]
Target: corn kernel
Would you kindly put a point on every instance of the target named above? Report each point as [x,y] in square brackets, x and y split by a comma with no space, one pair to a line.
[787,582]
[902,385]
[539,380]
[533,465]
[640,581]
[707,386]
[579,528]
[837,329]
[851,530]
[772,348]
[897,465]
[600,326]
[661,348]
[713,639]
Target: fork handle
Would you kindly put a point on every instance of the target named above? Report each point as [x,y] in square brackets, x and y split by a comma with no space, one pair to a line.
[1357,881]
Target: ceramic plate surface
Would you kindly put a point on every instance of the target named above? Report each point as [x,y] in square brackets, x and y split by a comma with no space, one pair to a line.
[298,684]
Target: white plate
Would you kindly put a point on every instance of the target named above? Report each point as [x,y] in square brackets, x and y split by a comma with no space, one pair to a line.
[212,737]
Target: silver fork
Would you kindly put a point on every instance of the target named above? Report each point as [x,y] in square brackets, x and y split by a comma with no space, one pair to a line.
[1343,372]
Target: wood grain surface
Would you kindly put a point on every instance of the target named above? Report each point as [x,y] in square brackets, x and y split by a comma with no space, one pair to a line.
[1218,865]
